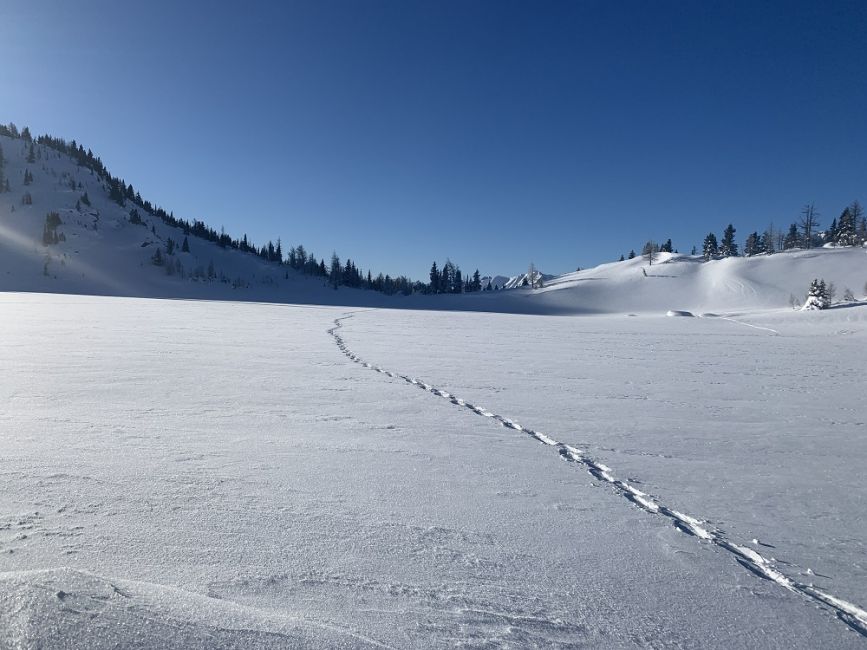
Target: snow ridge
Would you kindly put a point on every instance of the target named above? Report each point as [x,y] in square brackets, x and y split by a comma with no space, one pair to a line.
[764,567]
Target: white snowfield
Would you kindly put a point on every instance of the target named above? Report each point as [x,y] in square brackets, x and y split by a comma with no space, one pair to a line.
[182,474]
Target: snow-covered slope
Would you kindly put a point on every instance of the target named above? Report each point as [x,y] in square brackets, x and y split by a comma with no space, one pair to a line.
[682,282]
[679,283]
[105,253]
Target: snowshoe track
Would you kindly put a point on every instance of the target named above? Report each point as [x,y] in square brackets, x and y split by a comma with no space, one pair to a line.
[764,567]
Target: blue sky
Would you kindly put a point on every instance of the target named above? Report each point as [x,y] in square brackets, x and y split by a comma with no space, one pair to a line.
[494,133]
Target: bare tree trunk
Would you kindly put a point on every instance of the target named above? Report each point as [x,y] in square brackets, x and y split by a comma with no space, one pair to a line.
[809,223]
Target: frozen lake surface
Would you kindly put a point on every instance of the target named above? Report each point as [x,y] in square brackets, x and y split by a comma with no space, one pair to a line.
[217,474]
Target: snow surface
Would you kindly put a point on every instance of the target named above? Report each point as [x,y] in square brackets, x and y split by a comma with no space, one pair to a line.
[229,474]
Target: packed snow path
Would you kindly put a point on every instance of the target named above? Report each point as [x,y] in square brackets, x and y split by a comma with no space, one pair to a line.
[752,560]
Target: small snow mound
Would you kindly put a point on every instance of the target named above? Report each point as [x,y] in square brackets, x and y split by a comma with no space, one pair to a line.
[67,608]
[676,313]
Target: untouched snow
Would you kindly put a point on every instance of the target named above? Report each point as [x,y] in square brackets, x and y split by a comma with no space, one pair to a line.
[200,474]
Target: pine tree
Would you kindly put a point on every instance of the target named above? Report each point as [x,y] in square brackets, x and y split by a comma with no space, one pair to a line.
[477,281]
[185,247]
[846,232]
[28,177]
[157,259]
[728,247]
[710,248]
[334,276]
[631,254]
[817,298]
[791,240]
[751,244]
[859,223]
[31,154]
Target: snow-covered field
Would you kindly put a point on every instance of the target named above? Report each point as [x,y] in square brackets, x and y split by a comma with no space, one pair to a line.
[222,474]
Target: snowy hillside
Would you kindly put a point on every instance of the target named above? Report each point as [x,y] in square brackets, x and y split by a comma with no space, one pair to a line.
[100,250]
[682,282]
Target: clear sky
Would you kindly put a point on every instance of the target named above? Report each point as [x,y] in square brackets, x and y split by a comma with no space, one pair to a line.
[494,133]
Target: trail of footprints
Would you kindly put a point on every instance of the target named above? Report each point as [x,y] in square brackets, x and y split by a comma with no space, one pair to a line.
[764,567]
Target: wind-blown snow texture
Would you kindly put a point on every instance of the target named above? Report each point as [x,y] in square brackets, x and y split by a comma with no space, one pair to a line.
[199,474]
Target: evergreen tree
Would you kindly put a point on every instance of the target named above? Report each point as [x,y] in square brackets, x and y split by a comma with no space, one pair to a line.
[28,177]
[85,199]
[334,276]
[49,230]
[859,223]
[31,154]
[632,254]
[710,248]
[434,278]
[185,246]
[728,247]
[792,239]
[457,283]
[751,244]
[817,298]
[278,252]
[2,172]
[831,235]
[476,284]
[846,232]
[157,258]
[666,247]
[621,257]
